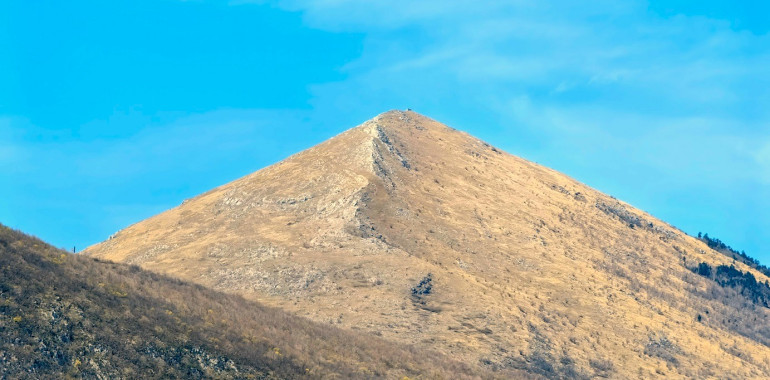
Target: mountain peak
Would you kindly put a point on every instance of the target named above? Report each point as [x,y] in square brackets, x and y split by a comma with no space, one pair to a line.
[398,120]
[400,115]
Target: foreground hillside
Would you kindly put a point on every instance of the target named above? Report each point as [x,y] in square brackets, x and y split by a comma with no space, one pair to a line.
[408,229]
[63,315]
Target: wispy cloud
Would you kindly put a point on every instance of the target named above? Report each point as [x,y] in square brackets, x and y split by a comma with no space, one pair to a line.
[610,65]
[676,98]
[542,44]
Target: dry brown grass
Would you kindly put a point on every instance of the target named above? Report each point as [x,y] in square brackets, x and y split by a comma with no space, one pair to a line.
[530,269]
[62,314]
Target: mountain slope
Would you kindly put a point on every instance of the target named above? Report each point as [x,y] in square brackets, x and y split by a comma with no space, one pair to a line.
[408,229]
[63,315]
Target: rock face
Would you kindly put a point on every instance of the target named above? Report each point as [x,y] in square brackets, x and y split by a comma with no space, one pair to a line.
[425,235]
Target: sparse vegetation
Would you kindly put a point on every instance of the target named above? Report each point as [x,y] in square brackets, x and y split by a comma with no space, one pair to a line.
[731,310]
[633,220]
[424,287]
[743,282]
[602,367]
[729,251]
[541,360]
[619,211]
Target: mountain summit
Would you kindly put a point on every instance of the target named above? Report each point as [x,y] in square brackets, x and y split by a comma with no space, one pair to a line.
[414,231]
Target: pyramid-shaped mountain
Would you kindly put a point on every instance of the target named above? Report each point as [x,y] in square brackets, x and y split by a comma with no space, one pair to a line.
[422,234]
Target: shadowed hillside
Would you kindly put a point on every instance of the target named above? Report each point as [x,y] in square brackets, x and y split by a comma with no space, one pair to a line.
[416,232]
[62,315]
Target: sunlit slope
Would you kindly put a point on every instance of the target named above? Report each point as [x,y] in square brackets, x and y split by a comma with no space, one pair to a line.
[63,316]
[422,234]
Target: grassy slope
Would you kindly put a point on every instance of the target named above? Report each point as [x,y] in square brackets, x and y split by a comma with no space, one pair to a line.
[65,315]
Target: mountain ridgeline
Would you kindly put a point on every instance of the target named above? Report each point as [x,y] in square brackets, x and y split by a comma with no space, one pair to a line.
[420,234]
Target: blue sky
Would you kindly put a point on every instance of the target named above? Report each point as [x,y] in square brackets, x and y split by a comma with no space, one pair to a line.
[111,112]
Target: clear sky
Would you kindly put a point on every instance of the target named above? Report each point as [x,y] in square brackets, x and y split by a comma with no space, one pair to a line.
[112,111]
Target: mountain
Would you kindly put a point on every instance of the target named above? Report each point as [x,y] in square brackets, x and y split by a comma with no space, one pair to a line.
[416,232]
[65,316]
